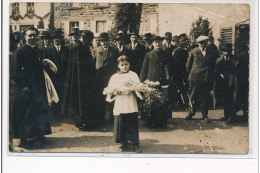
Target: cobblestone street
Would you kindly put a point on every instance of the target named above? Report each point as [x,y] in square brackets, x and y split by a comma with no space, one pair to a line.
[180,136]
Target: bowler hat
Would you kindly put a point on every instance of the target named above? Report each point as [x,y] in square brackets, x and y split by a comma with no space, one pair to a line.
[168,36]
[226,46]
[46,34]
[184,40]
[87,33]
[202,38]
[175,38]
[75,31]
[157,38]
[57,33]
[133,33]
[119,37]
[103,36]
[147,36]
[183,35]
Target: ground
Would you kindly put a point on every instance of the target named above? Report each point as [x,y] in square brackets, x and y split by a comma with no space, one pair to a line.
[180,136]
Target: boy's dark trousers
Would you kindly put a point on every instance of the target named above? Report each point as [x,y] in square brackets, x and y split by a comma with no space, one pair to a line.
[129,129]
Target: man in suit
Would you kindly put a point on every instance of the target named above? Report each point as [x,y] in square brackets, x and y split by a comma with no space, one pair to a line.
[175,41]
[178,87]
[198,67]
[106,65]
[120,44]
[242,92]
[148,42]
[74,37]
[59,55]
[46,36]
[136,52]
[226,67]
[168,47]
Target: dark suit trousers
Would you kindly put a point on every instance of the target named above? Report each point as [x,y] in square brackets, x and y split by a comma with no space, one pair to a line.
[203,90]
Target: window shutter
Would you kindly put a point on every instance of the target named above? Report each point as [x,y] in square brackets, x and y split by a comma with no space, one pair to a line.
[226,34]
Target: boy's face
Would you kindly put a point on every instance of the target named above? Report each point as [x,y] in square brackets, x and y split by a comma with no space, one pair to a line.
[157,44]
[124,66]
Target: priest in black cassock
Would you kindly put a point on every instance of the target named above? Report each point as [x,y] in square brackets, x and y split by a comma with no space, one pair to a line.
[29,116]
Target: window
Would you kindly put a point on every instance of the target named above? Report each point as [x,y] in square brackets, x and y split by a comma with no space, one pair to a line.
[15,9]
[73,25]
[100,26]
[30,8]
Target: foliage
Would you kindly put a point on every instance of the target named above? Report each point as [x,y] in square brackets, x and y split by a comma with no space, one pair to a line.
[151,97]
[128,17]
[200,27]
[51,21]
[40,24]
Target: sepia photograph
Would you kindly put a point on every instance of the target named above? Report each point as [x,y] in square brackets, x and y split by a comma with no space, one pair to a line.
[129,78]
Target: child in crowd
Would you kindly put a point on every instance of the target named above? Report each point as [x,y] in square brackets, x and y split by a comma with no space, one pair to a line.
[125,107]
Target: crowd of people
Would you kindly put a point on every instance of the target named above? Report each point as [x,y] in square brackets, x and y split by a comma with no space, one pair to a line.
[66,78]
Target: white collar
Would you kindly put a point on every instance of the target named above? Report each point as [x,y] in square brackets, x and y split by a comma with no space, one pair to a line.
[33,46]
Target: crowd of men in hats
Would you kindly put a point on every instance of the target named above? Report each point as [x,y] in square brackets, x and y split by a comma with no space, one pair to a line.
[80,69]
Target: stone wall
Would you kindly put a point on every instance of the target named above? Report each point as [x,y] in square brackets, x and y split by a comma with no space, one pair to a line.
[87,14]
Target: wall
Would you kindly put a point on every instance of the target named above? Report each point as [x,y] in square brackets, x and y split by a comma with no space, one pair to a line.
[86,13]
[182,16]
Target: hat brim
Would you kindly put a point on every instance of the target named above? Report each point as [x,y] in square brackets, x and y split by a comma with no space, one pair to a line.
[168,38]
[102,39]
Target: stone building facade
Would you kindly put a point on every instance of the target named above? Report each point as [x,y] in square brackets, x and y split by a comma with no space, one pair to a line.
[99,17]
[24,14]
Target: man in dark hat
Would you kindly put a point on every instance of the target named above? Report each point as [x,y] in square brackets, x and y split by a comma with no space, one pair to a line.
[241,100]
[213,53]
[73,37]
[30,119]
[148,42]
[136,52]
[175,41]
[59,55]
[120,44]
[46,38]
[168,47]
[106,65]
[226,70]
[198,68]
[156,68]
[179,86]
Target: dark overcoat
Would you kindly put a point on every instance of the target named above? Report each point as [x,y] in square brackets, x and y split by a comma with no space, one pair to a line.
[155,67]
[79,83]
[30,107]
[136,57]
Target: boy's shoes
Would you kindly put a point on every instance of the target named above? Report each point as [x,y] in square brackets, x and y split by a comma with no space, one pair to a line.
[137,148]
